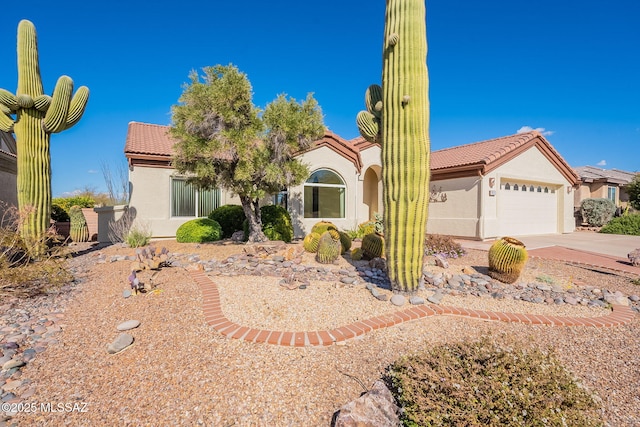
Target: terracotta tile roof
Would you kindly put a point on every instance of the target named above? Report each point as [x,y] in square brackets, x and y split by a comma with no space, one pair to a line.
[615,176]
[152,142]
[148,139]
[484,156]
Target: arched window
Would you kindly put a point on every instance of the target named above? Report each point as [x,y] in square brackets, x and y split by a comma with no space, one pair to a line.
[324,195]
[531,188]
[515,187]
[507,186]
[546,189]
[524,187]
[539,189]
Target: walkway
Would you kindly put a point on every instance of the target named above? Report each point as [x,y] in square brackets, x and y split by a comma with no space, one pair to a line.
[215,317]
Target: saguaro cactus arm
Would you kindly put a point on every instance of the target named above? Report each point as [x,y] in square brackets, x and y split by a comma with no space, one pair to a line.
[36,116]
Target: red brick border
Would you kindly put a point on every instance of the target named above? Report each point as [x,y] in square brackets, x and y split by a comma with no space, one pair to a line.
[214,316]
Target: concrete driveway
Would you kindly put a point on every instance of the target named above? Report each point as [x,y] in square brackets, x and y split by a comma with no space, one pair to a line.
[615,245]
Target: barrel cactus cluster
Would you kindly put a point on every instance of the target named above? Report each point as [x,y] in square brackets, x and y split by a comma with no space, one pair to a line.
[397,117]
[327,242]
[78,229]
[507,258]
[37,116]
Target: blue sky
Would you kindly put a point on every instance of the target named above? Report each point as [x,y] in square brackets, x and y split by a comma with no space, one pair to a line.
[571,68]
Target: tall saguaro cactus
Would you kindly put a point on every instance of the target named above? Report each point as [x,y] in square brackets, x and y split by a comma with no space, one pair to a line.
[37,116]
[397,116]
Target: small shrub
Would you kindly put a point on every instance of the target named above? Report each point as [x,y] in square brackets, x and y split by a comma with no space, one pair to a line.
[199,230]
[230,218]
[67,202]
[276,223]
[58,213]
[138,236]
[627,224]
[484,383]
[597,212]
[438,244]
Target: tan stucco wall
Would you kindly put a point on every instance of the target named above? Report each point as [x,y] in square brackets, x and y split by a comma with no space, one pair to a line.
[151,198]
[458,216]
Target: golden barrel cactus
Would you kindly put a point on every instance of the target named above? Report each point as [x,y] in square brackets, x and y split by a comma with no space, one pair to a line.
[507,258]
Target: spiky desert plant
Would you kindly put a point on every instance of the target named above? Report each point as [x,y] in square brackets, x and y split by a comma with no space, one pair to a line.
[373,245]
[37,116]
[345,240]
[78,229]
[310,242]
[329,248]
[322,226]
[397,116]
[356,254]
[507,258]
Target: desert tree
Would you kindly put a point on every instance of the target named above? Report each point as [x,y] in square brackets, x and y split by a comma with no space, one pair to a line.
[224,141]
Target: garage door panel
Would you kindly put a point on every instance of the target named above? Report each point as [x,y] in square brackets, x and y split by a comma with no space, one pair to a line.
[527,212]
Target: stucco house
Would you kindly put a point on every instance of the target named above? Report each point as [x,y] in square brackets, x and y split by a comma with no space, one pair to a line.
[609,184]
[515,185]
[8,170]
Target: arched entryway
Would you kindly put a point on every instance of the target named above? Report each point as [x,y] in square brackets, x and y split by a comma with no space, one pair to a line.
[372,190]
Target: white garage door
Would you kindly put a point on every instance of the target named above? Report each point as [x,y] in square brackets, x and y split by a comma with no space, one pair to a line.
[527,208]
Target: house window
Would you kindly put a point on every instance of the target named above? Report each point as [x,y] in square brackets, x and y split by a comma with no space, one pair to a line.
[324,195]
[282,199]
[531,188]
[546,189]
[189,201]
[524,187]
[507,186]
[611,193]
[515,187]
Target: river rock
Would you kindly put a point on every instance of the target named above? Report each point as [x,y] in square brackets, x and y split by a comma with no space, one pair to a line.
[121,342]
[374,408]
[129,324]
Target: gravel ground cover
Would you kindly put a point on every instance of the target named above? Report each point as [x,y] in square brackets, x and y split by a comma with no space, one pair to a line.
[179,371]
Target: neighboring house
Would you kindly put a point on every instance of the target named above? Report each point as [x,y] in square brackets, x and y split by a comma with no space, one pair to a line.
[8,170]
[515,185]
[603,183]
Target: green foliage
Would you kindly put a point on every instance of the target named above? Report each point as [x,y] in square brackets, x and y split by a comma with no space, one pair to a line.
[484,383]
[438,244]
[276,223]
[138,237]
[248,154]
[66,203]
[58,213]
[356,254]
[627,224]
[199,230]
[597,212]
[633,190]
[230,218]
[507,258]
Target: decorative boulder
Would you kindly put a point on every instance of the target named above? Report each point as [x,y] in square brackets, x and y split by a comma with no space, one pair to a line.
[375,408]
[634,257]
